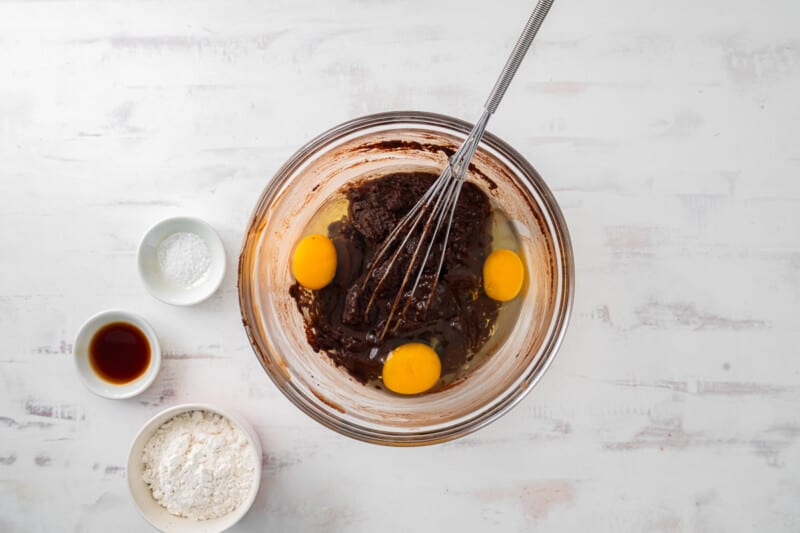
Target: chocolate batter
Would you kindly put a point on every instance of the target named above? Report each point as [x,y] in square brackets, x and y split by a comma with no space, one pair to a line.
[460,318]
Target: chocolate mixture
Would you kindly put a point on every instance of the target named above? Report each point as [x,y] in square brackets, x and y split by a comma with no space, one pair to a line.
[460,317]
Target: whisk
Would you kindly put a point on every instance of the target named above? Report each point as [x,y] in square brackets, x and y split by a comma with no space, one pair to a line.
[433,214]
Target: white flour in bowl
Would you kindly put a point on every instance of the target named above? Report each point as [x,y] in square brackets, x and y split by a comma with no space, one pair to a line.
[199,465]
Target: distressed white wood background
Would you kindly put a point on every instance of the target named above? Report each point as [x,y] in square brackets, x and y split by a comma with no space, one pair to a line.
[668,131]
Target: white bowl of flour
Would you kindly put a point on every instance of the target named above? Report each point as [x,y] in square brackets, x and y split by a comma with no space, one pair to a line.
[194,468]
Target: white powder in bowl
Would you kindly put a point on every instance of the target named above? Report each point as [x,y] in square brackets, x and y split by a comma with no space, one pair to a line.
[184,259]
[198,465]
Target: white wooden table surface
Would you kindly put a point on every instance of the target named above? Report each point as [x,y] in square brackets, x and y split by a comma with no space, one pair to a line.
[668,131]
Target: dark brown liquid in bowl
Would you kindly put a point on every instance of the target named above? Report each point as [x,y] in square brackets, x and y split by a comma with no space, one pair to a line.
[119,353]
[460,318]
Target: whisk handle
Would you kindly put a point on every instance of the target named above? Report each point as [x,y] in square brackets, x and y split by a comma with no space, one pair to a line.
[520,49]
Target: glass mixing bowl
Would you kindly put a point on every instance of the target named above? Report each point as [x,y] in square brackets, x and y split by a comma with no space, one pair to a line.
[371,146]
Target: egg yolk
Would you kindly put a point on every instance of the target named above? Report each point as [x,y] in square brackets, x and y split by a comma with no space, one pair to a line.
[503,275]
[314,263]
[411,369]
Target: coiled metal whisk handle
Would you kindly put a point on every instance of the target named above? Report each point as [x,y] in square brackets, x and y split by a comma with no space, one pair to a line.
[520,49]
[432,216]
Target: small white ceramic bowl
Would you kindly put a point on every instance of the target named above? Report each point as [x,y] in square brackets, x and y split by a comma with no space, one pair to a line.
[150,271]
[90,378]
[157,515]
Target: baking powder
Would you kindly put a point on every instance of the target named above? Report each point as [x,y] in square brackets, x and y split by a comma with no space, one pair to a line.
[199,466]
[184,258]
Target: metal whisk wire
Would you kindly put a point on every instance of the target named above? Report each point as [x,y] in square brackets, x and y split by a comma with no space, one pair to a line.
[439,202]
